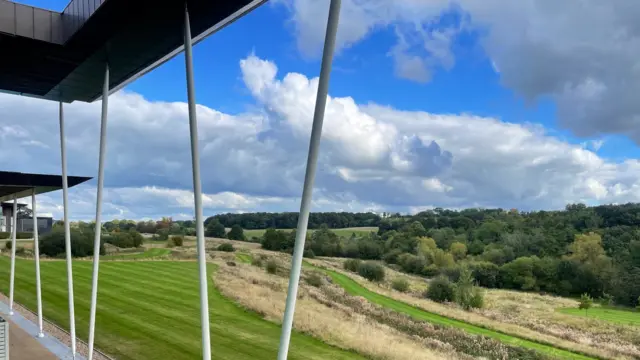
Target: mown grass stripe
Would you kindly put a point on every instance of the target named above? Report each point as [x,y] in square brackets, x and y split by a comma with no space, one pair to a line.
[619,316]
[353,288]
[150,310]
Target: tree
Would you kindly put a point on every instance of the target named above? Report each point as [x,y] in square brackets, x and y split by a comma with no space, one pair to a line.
[215,229]
[236,233]
[586,248]
[443,259]
[585,303]
[415,229]
[464,288]
[426,246]
[458,250]
[275,240]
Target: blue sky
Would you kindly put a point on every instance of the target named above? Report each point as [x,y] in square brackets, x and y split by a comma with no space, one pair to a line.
[423,79]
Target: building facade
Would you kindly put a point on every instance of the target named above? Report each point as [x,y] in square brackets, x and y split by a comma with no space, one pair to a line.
[24,223]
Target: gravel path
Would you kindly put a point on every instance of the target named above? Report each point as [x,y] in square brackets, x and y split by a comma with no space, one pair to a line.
[55,331]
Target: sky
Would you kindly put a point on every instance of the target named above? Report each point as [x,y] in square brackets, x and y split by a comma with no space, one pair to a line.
[454,104]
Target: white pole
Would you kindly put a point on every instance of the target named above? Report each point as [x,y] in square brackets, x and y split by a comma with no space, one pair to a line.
[14,230]
[314,144]
[67,235]
[197,191]
[98,229]
[36,252]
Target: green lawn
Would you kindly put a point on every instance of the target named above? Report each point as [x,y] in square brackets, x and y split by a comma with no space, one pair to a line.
[150,310]
[149,253]
[619,316]
[353,288]
[244,258]
[345,232]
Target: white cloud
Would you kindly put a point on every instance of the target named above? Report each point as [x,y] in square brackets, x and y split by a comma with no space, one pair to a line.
[583,54]
[372,157]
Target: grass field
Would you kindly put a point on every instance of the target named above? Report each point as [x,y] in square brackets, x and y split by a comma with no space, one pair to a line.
[150,253]
[244,258]
[353,288]
[619,316]
[150,310]
[345,232]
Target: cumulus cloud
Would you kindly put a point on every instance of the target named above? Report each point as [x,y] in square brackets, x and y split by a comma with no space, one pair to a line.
[372,157]
[583,55]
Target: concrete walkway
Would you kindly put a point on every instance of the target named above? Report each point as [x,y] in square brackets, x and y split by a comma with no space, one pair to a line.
[23,346]
[24,343]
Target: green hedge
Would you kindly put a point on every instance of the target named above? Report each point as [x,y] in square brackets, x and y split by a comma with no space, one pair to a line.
[20,235]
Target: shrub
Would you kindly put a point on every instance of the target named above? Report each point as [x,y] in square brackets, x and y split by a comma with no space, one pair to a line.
[309,254]
[163,235]
[20,251]
[314,279]
[392,256]
[477,298]
[53,243]
[440,290]
[352,265]
[452,273]
[371,271]
[19,235]
[226,247]
[606,299]
[256,261]
[272,266]
[7,245]
[400,284]
[123,239]
[176,240]
[431,271]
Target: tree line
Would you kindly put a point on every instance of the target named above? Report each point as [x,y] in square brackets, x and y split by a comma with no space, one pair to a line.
[579,250]
[289,220]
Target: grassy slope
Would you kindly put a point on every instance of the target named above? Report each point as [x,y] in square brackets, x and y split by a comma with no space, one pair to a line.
[150,253]
[139,302]
[346,232]
[613,315]
[353,288]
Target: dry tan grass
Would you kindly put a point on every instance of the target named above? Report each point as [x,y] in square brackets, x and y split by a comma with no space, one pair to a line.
[190,241]
[538,312]
[337,325]
[495,316]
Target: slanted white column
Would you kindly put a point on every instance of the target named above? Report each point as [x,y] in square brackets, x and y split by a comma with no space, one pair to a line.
[36,252]
[197,192]
[309,177]
[98,228]
[14,230]
[67,235]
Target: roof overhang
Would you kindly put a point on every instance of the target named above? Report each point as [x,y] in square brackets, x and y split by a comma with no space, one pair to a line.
[23,184]
[62,56]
